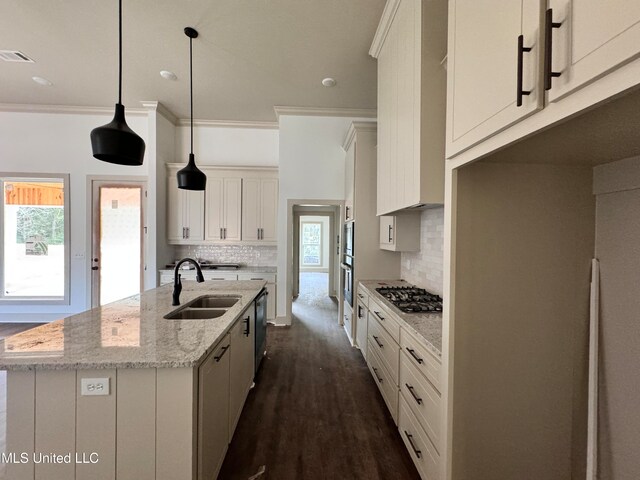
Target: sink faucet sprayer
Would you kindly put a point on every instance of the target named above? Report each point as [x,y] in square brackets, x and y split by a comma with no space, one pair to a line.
[177,284]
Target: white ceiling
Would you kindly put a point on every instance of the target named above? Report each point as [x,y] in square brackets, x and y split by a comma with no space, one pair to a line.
[250,55]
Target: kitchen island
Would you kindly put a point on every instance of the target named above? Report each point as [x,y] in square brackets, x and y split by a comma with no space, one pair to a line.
[146,395]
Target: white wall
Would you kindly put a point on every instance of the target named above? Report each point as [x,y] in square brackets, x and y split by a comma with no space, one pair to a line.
[212,145]
[59,143]
[311,167]
[324,258]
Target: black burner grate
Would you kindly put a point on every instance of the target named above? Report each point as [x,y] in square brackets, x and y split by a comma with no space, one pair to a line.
[412,299]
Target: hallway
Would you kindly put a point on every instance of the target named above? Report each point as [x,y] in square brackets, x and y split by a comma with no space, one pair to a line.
[315,412]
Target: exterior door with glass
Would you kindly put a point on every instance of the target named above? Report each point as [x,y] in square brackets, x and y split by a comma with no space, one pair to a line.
[118,239]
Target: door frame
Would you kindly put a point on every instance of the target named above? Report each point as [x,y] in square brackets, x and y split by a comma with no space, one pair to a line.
[291,205]
[92,239]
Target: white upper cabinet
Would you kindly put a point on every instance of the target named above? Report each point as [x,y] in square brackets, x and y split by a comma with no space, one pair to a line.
[409,44]
[590,39]
[224,201]
[259,210]
[487,68]
[185,213]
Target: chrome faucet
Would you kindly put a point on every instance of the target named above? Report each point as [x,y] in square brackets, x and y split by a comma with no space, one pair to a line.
[177,284]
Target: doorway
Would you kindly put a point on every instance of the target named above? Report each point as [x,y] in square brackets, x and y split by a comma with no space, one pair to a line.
[118,239]
[314,255]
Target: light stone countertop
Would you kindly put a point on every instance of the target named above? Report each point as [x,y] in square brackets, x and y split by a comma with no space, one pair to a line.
[129,333]
[426,326]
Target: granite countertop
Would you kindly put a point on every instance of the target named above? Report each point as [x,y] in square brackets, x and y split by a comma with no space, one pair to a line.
[427,326]
[129,333]
[243,269]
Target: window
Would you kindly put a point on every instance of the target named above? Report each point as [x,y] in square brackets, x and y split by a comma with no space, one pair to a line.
[34,244]
[311,244]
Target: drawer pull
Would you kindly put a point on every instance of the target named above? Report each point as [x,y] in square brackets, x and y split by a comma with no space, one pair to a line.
[359,311]
[375,370]
[224,350]
[247,320]
[256,278]
[416,357]
[415,450]
[378,315]
[413,394]
[377,341]
[360,295]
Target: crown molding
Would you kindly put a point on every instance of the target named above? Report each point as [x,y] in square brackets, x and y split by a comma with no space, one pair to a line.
[390,9]
[66,109]
[160,109]
[228,124]
[325,112]
[356,127]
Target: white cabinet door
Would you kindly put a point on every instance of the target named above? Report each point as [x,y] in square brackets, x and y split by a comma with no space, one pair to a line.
[594,38]
[349,182]
[224,201]
[251,209]
[215,201]
[269,210]
[241,365]
[259,209]
[185,214]
[387,230]
[213,408]
[175,212]
[232,209]
[483,67]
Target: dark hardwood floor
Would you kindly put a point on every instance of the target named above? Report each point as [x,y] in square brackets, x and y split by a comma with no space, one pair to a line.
[316,412]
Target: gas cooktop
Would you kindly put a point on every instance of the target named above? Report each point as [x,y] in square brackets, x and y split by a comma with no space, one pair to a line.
[411,299]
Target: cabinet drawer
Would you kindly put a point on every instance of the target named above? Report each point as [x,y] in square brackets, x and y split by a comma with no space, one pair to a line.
[390,324]
[387,387]
[217,276]
[267,277]
[361,321]
[423,454]
[363,297]
[423,399]
[420,356]
[384,345]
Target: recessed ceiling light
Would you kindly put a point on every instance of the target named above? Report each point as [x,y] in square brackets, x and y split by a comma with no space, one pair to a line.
[329,82]
[167,75]
[42,81]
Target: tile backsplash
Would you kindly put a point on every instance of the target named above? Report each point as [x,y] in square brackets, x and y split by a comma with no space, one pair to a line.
[252,255]
[424,268]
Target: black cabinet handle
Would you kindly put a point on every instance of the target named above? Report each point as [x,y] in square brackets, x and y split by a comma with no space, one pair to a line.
[247,320]
[224,350]
[415,450]
[377,341]
[390,228]
[378,315]
[413,394]
[412,352]
[521,50]
[360,295]
[359,311]
[549,25]
[375,370]
[94,268]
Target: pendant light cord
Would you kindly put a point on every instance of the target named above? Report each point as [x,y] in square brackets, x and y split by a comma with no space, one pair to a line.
[191,86]
[120,51]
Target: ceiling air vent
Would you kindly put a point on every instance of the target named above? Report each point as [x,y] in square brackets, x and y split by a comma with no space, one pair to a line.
[14,56]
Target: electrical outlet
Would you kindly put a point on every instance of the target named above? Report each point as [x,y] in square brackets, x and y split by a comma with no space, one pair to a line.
[94,386]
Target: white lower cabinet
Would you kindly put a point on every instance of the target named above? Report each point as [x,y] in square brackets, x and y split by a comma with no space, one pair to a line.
[241,365]
[360,322]
[213,408]
[423,453]
[270,278]
[388,388]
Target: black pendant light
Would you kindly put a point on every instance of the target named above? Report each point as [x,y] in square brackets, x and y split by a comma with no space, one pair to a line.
[191,177]
[115,142]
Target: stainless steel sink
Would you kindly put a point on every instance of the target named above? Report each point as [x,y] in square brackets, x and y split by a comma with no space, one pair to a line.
[186,313]
[213,301]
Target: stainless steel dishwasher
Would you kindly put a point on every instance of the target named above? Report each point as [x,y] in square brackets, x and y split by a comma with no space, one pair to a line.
[261,326]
